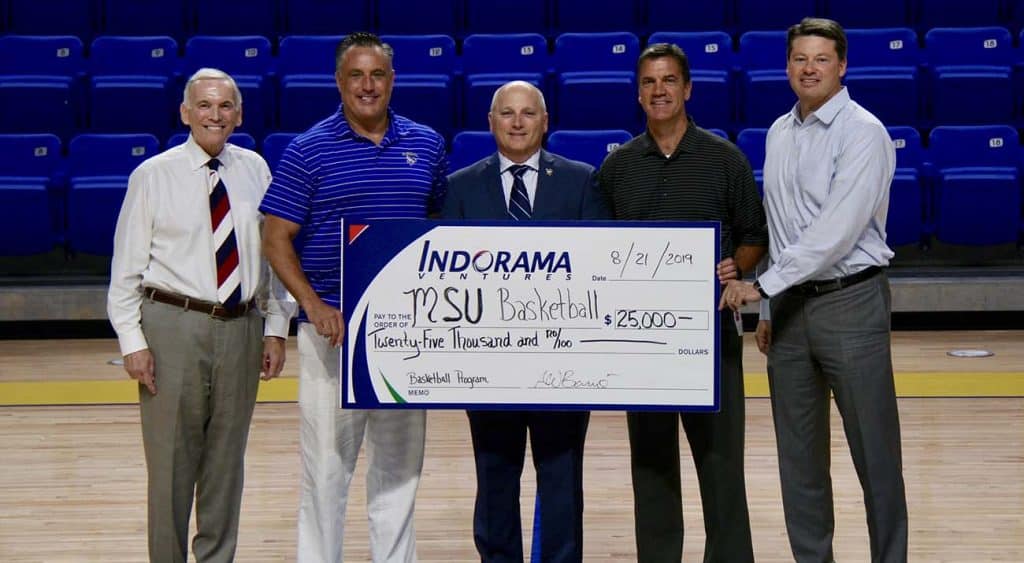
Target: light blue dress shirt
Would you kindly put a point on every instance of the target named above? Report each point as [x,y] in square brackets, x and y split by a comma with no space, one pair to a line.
[826,194]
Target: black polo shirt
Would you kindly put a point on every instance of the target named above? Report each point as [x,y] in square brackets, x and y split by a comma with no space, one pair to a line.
[706,179]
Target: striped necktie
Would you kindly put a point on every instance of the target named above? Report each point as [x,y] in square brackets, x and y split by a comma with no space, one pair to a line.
[229,279]
[519,202]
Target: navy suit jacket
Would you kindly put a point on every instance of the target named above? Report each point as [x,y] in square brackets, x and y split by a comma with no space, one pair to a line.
[566,189]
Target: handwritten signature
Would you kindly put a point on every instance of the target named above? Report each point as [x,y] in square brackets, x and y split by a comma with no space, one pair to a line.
[567,379]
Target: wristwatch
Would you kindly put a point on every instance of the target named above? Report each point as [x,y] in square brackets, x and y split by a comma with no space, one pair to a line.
[757,286]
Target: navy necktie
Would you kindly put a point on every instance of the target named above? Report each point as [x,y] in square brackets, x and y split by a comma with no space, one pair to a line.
[229,278]
[519,202]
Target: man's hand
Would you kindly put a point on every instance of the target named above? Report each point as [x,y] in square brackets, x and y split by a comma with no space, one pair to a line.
[273,357]
[763,336]
[328,321]
[737,294]
[140,367]
[727,270]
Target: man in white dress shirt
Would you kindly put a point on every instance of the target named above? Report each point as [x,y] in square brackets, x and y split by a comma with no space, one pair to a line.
[828,167]
[187,287]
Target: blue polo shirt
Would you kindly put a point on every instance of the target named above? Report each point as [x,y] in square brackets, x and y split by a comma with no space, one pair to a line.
[330,172]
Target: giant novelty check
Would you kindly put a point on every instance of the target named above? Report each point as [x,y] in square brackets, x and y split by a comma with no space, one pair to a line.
[580,315]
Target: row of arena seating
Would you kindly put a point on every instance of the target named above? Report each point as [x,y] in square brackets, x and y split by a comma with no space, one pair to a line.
[133,84]
[963,189]
[180,18]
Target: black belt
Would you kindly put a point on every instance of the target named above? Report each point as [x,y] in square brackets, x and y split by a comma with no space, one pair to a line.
[821,287]
[215,310]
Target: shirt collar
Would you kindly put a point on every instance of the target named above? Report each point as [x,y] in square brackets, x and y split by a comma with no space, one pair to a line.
[197,157]
[533,162]
[395,130]
[688,143]
[828,111]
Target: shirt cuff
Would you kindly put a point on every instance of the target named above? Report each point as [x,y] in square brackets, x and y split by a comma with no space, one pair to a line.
[132,342]
[771,283]
[275,325]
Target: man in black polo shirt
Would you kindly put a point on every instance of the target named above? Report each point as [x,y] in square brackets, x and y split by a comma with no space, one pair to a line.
[678,171]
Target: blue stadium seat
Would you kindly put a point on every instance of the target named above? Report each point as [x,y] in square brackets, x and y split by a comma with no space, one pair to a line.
[427,99]
[309,93]
[595,73]
[720,132]
[52,17]
[766,93]
[146,17]
[971,75]
[247,59]
[305,100]
[908,220]
[307,55]
[490,60]
[854,14]
[469,147]
[757,15]
[687,15]
[30,193]
[885,77]
[424,69]
[133,72]
[40,84]
[244,140]
[417,17]
[98,170]
[751,142]
[614,51]
[977,198]
[587,146]
[237,17]
[326,17]
[423,54]
[273,147]
[531,16]
[711,61]
[582,16]
[957,13]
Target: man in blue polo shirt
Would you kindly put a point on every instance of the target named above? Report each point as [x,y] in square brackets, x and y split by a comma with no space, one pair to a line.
[361,163]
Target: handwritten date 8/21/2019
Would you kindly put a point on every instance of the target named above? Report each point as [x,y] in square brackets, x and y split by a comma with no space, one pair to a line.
[644,259]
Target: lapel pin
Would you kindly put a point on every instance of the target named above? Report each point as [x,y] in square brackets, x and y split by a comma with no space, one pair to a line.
[549,171]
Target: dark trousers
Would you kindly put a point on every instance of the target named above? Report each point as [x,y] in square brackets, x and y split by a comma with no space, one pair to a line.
[499,448]
[838,343]
[194,430]
[716,443]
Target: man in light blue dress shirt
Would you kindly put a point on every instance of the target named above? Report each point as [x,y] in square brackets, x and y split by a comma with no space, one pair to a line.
[828,167]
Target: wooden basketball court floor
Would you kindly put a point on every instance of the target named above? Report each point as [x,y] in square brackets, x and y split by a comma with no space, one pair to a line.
[72,475]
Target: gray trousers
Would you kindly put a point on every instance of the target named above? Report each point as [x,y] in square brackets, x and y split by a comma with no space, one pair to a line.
[838,342]
[716,443]
[195,428]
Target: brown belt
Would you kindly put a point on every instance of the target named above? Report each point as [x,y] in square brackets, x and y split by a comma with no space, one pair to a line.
[215,310]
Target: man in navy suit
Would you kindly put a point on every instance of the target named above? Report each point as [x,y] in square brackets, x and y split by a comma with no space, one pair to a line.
[524,182]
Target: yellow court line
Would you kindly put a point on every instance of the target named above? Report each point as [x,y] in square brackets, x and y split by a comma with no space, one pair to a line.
[108,392]
[908,384]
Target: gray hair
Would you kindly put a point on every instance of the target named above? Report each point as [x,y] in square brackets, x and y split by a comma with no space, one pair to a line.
[361,39]
[210,74]
[514,83]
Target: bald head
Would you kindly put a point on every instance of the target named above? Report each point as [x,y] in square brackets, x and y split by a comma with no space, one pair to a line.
[518,120]
[520,85]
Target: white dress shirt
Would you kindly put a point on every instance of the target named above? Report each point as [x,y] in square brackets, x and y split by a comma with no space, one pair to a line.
[826,194]
[529,177]
[164,238]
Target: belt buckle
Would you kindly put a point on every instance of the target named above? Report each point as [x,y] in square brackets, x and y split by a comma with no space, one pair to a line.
[218,312]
